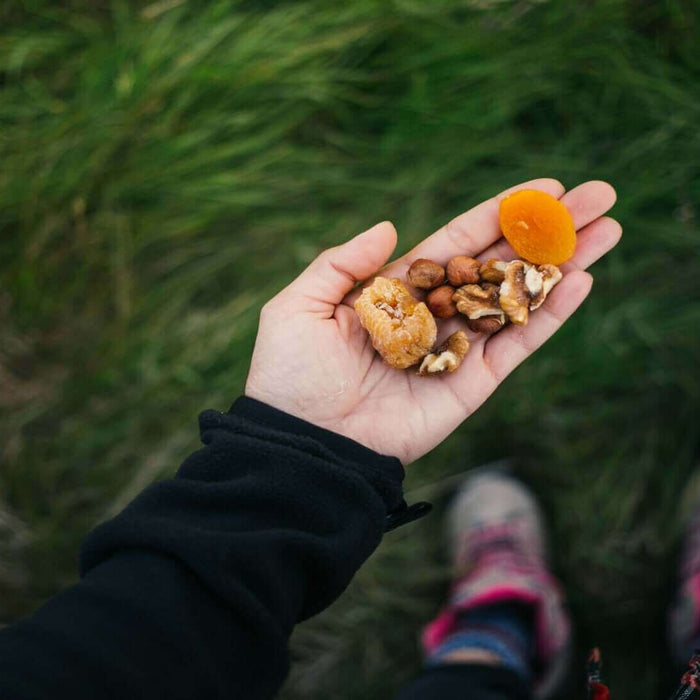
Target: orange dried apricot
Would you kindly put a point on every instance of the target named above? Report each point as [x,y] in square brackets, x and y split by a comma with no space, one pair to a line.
[538,227]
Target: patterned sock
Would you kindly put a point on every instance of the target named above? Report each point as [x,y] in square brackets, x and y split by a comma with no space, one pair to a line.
[503,629]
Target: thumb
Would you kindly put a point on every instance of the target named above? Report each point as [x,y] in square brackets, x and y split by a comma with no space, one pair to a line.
[336,271]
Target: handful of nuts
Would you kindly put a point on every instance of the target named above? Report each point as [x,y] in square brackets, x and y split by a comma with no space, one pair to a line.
[490,295]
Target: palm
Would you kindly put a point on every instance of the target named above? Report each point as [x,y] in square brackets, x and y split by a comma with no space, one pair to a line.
[351,391]
[391,408]
[313,359]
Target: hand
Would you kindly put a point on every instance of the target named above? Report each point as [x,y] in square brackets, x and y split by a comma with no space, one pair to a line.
[313,359]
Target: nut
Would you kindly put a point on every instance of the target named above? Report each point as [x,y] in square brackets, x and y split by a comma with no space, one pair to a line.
[476,301]
[447,357]
[440,302]
[401,328]
[525,288]
[463,270]
[493,271]
[486,324]
[426,274]
[514,297]
[550,275]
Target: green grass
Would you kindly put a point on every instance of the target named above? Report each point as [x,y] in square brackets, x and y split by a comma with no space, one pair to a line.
[166,167]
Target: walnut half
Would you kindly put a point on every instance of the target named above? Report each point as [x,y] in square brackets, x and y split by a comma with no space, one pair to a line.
[551,275]
[476,301]
[525,288]
[448,357]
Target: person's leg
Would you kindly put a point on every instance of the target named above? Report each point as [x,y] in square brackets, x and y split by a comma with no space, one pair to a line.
[504,632]
[488,657]
[465,682]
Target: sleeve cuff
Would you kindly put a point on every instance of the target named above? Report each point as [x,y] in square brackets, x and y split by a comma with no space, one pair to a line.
[343,447]
[384,473]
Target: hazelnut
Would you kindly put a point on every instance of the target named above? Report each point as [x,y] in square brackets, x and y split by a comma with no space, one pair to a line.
[426,274]
[440,303]
[493,271]
[476,301]
[462,270]
[447,357]
[486,324]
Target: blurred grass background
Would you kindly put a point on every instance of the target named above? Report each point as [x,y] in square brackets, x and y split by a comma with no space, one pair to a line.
[165,167]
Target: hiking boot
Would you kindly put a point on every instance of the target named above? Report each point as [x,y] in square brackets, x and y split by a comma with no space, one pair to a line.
[499,555]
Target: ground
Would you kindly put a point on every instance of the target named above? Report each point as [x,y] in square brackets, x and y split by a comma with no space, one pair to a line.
[165,167]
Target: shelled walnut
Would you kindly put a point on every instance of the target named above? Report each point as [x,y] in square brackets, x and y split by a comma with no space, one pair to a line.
[525,288]
[448,357]
[551,275]
[513,296]
[401,328]
[476,301]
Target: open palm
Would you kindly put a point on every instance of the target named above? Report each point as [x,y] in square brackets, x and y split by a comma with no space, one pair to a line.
[313,359]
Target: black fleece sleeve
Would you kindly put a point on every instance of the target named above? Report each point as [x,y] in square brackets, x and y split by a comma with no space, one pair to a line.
[193,590]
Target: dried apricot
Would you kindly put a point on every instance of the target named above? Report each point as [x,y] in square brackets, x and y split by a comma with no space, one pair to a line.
[401,328]
[538,227]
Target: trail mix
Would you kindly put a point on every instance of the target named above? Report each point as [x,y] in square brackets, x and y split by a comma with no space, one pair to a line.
[489,295]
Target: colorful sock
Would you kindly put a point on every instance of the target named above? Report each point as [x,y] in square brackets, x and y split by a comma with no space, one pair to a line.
[503,629]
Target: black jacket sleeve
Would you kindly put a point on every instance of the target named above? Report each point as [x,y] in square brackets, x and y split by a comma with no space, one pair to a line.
[193,590]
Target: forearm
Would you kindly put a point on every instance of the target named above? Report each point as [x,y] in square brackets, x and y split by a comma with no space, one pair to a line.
[194,589]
